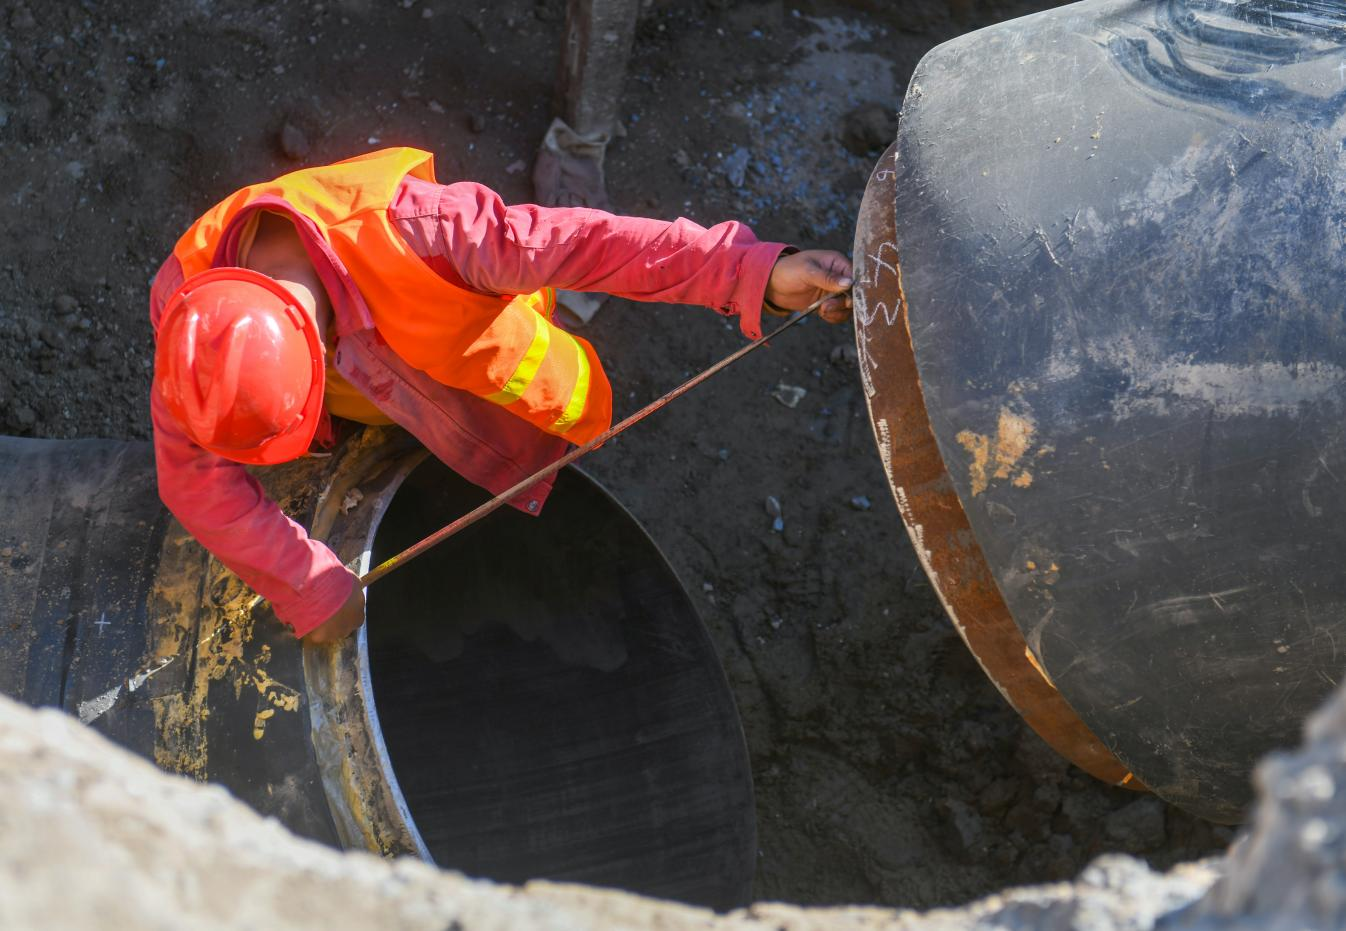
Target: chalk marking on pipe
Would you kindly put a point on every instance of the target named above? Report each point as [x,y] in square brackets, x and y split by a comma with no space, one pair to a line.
[885,447]
[903,503]
[927,560]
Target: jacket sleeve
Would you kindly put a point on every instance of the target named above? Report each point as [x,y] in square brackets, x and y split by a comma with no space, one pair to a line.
[225,509]
[499,249]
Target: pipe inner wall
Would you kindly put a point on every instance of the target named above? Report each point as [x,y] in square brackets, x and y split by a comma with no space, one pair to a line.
[550,702]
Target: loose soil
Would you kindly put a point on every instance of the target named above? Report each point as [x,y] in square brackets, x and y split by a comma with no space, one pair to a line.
[887,768]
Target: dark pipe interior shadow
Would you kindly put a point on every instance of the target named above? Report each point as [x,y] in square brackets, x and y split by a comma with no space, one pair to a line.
[551,703]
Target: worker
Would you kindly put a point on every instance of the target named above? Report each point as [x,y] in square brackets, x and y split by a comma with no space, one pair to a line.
[366,291]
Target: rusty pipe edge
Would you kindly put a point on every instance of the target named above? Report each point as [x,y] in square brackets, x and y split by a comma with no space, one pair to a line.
[206,631]
[926,499]
[120,617]
[362,790]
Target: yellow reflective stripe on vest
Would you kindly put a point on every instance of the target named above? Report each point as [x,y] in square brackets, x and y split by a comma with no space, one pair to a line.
[579,395]
[527,368]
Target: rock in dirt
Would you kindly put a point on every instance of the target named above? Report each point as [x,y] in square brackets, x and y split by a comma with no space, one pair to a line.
[1138,826]
[293,143]
[735,167]
[22,20]
[967,832]
[773,510]
[36,110]
[997,797]
[844,355]
[868,129]
[1080,811]
[789,395]
[65,305]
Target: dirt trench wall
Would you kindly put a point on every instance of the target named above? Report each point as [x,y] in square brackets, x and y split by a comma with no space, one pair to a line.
[93,837]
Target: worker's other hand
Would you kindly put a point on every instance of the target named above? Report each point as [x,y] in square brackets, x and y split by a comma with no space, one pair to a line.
[346,620]
[803,277]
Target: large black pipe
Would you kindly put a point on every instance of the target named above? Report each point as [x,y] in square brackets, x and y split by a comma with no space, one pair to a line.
[1117,256]
[538,699]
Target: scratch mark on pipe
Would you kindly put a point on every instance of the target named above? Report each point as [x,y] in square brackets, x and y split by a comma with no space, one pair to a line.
[93,709]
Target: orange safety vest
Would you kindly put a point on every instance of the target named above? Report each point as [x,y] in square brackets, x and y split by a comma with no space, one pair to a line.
[502,348]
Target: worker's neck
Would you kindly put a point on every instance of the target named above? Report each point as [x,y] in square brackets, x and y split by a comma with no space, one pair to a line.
[279,253]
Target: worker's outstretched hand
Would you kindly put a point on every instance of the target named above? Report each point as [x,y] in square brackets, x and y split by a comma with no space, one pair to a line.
[347,619]
[803,277]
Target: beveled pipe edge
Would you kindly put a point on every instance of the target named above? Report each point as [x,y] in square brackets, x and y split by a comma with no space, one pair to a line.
[366,802]
[926,500]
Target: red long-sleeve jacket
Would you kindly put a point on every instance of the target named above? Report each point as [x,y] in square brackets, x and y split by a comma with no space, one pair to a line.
[469,236]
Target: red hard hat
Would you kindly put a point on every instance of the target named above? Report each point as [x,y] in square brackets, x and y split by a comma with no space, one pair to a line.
[239,365]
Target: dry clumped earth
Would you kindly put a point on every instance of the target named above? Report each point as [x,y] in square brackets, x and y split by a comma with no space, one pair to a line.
[151,851]
[147,851]
[887,769]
